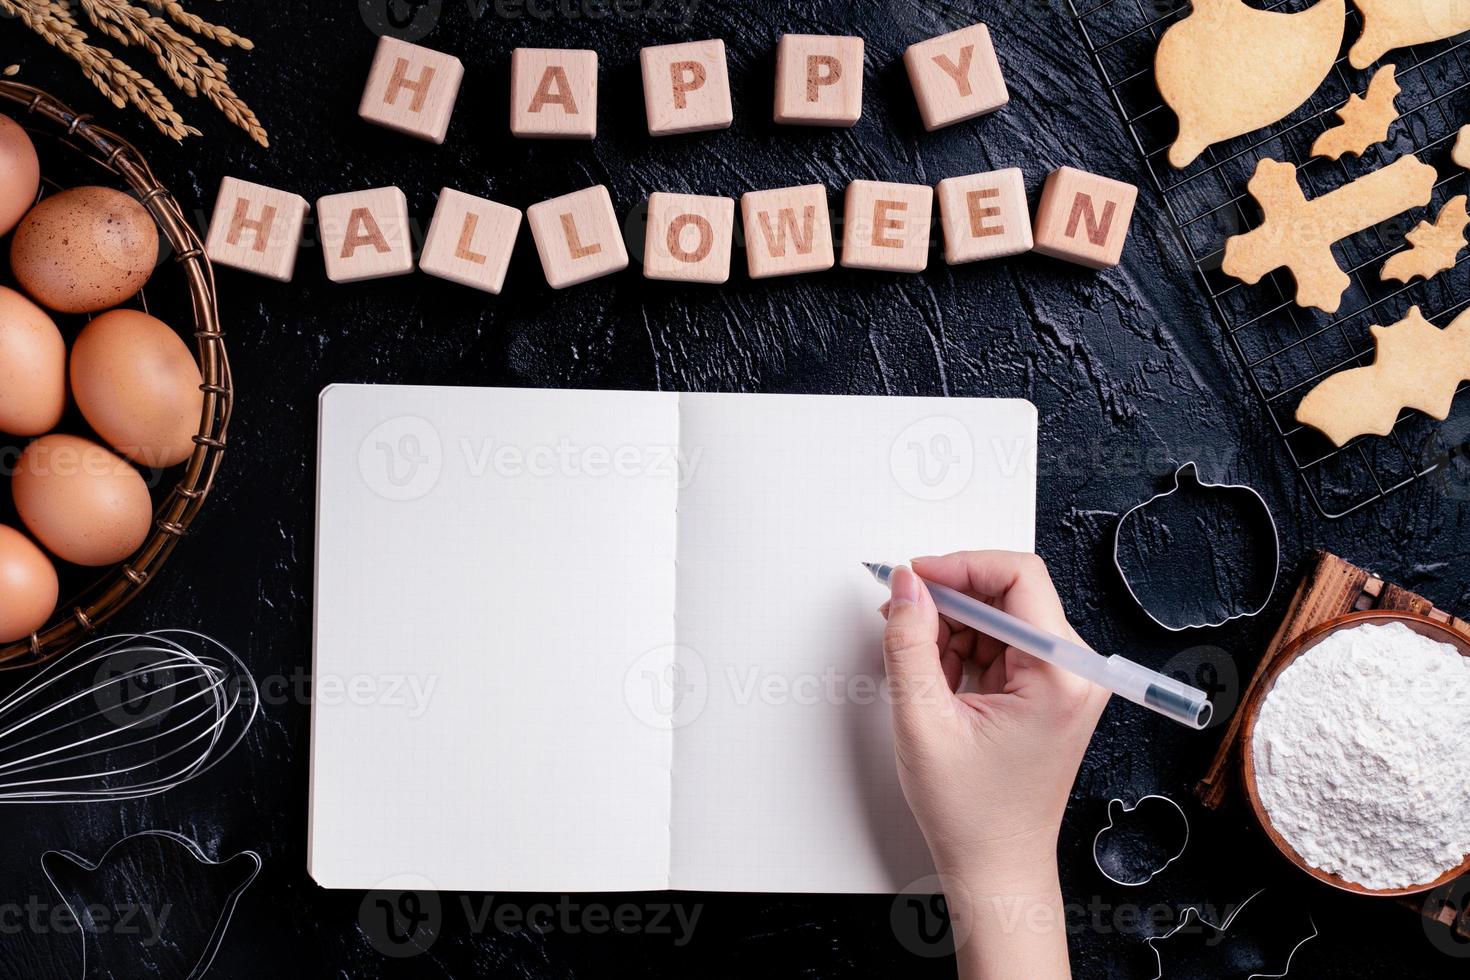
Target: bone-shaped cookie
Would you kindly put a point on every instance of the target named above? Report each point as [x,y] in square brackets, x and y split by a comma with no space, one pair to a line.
[1298,234]
[1417,365]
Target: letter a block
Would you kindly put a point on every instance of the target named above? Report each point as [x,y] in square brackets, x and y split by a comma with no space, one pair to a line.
[1084,218]
[578,237]
[886,226]
[688,238]
[256,228]
[365,234]
[985,216]
[411,89]
[470,240]
[819,80]
[787,231]
[955,76]
[553,93]
[686,87]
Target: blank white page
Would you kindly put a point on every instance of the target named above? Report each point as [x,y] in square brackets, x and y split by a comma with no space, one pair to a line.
[512,553]
[784,778]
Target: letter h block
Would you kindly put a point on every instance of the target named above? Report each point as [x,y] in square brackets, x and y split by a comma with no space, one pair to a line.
[256,228]
[411,89]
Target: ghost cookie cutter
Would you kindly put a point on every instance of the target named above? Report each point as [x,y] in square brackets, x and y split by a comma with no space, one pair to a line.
[1187,476]
[1124,809]
[1192,911]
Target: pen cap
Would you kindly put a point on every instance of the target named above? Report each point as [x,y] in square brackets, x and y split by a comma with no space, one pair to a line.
[1160,692]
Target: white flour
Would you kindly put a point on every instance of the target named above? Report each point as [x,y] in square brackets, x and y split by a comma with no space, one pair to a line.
[1360,757]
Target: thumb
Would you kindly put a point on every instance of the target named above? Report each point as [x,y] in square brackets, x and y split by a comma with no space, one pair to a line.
[911,648]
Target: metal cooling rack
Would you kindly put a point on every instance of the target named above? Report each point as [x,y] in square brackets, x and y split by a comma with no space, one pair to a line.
[1286,349]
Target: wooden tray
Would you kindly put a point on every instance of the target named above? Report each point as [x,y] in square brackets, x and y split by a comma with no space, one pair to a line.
[1330,588]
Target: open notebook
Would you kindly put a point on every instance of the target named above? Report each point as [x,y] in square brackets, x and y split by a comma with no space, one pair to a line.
[605,641]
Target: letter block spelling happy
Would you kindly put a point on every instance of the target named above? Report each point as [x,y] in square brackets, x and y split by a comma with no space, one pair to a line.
[365,234]
[955,76]
[819,80]
[787,231]
[1084,218]
[578,237]
[411,89]
[256,228]
[470,240]
[985,216]
[686,87]
[688,238]
[553,93]
[886,226]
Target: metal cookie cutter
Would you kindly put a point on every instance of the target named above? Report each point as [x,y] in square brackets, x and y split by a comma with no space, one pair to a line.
[1185,475]
[1220,930]
[1122,810]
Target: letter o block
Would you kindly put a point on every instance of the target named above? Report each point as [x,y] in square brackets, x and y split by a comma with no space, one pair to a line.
[689,237]
[578,237]
[411,89]
[686,87]
[365,234]
[553,93]
[886,226]
[1084,218]
[256,228]
[819,80]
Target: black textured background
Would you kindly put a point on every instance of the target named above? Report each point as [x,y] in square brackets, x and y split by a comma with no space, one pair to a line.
[1127,369]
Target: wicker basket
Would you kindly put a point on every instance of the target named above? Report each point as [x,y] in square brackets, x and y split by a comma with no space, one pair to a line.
[81,613]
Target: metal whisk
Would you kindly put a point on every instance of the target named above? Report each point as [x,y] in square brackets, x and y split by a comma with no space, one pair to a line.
[123,717]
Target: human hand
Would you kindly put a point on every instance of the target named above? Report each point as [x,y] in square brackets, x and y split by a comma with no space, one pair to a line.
[987,774]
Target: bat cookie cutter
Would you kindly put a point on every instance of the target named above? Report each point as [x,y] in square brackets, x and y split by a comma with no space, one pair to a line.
[1187,480]
[1122,809]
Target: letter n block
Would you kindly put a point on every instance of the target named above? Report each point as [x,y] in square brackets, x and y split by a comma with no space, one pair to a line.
[578,237]
[256,228]
[956,76]
[819,80]
[686,87]
[886,226]
[365,234]
[553,93]
[985,216]
[787,231]
[411,89]
[470,240]
[689,237]
[1084,218]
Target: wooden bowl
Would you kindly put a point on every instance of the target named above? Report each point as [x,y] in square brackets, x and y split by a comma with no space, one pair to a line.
[1424,626]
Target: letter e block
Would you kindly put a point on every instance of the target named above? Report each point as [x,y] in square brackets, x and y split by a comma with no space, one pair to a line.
[553,93]
[686,87]
[365,234]
[256,228]
[578,237]
[470,240]
[688,238]
[985,216]
[1084,218]
[411,89]
[886,226]
[955,76]
[819,80]
[787,231]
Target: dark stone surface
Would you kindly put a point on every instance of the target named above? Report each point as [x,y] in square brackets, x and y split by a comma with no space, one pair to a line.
[1128,370]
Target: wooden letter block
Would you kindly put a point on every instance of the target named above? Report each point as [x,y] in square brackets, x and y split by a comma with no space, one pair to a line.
[886,226]
[819,80]
[578,237]
[686,87]
[956,76]
[984,215]
[553,93]
[787,231]
[365,234]
[411,89]
[470,240]
[689,238]
[256,228]
[1084,218]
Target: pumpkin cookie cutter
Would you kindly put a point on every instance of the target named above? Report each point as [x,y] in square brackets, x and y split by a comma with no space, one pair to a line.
[1122,810]
[1193,911]
[1190,472]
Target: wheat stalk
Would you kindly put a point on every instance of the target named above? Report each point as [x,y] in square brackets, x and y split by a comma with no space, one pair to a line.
[184,61]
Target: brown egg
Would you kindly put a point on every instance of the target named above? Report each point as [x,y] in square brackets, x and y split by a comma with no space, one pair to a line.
[137,385]
[28,583]
[20,173]
[82,502]
[32,367]
[84,249]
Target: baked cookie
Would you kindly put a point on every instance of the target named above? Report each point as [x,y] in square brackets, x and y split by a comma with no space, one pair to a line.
[1365,119]
[1436,245]
[1389,24]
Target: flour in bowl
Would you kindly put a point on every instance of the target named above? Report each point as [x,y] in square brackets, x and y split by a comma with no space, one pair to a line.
[1359,756]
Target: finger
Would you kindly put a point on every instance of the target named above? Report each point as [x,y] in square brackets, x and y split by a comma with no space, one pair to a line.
[910,648]
[1016,581]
